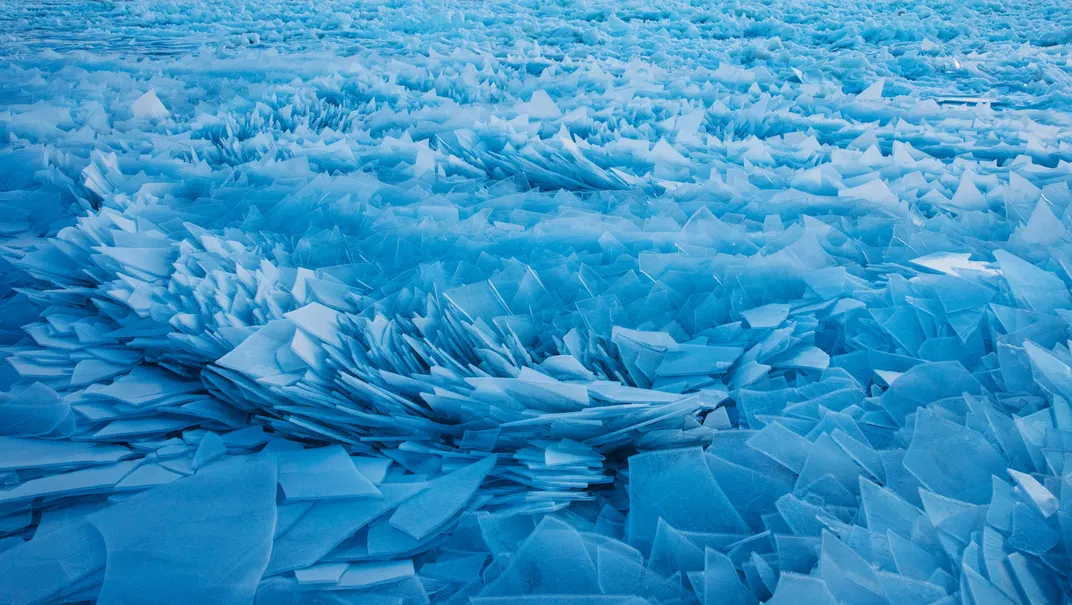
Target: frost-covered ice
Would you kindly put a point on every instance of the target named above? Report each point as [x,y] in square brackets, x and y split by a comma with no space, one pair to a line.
[497,303]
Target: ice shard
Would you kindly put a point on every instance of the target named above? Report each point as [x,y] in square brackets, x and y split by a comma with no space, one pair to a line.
[420,302]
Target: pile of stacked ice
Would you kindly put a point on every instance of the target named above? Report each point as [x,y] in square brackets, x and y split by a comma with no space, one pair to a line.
[532,304]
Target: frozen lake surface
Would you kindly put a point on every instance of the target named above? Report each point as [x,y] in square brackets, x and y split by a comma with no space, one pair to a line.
[535,303]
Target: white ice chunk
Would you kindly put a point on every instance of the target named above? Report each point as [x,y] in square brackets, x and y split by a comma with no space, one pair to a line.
[148,106]
[1045,501]
[873,92]
[542,107]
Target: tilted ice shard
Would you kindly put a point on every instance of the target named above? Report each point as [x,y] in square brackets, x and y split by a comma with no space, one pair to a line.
[442,498]
[149,106]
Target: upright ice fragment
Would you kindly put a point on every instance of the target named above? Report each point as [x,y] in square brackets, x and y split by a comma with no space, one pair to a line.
[873,92]
[149,106]
[1037,289]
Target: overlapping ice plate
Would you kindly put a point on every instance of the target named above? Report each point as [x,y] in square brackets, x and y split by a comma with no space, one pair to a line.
[535,303]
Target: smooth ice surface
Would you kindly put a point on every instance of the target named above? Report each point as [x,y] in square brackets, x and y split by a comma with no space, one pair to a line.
[205,538]
[536,303]
[320,473]
[441,499]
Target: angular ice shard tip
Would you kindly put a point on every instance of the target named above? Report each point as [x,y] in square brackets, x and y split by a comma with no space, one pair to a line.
[148,106]
[541,106]
[873,92]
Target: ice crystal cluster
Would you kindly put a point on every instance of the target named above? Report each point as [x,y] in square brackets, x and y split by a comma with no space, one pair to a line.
[535,303]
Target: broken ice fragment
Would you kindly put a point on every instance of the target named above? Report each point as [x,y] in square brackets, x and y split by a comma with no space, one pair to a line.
[365,575]
[210,448]
[210,536]
[542,107]
[872,92]
[373,469]
[1043,228]
[1037,289]
[1043,499]
[552,560]
[952,460]
[326,472]
[443,498]
[968,196]
[676,486]
[148,106]
[17,453]
[809,358]
[690,360]
[328,523]
[325,573]
[35,411]
[38,570]
[97,479]
[767,316]
[319,321]
[721,582]
[951,262]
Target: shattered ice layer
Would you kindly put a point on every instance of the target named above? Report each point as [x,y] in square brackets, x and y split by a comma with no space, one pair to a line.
[588,304]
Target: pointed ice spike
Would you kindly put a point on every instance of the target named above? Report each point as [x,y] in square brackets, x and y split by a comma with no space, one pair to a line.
[148,106]
[1045,501]
[722,585]
[319,321]
[210,448]
[542,107]
[672,551]
[872,92]
[1043,228]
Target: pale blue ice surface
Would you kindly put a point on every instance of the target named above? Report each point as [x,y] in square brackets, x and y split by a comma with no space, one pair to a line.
[576,303]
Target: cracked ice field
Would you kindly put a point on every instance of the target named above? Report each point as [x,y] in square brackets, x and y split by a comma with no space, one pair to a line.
[535,303]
